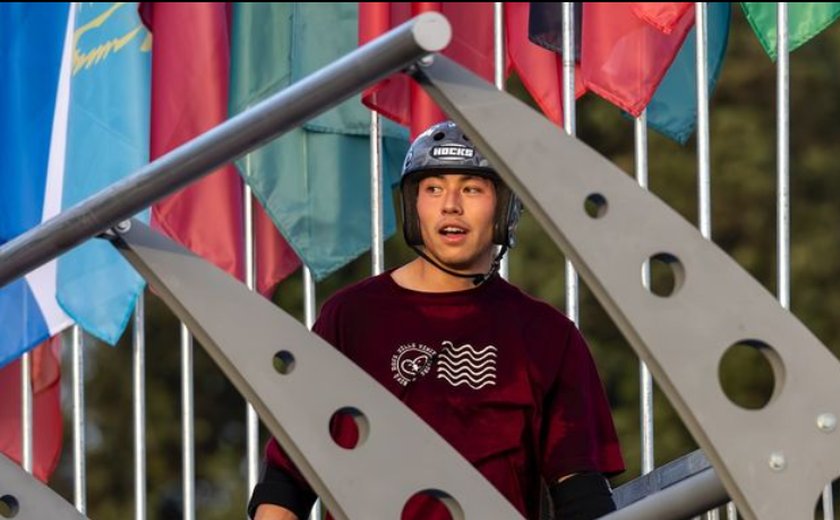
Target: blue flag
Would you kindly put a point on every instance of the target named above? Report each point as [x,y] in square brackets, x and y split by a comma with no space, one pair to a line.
[32,48]
[673,109]
[107,139]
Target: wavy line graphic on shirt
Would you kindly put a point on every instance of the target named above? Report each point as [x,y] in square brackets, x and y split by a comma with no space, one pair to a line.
[469,349]
[464,382]
[467,365]
[445,373]
[477,359]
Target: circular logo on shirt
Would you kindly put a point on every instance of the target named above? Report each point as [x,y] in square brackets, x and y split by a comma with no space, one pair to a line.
[411,362]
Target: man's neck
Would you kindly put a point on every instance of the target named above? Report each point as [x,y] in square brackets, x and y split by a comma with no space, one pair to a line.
[419,275]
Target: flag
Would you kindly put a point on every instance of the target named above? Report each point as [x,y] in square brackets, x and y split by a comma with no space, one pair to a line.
[673,109]
[34,87]
[398,97]
[623,59]
[46,409]
[107,140]
[665,16]
[32,128]
[206,216]
[805,20]
[529,27]
[315,180]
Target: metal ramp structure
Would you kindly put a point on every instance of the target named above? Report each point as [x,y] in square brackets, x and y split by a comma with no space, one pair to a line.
[773,462]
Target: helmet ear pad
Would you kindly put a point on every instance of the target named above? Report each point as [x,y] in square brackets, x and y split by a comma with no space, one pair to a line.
[508,209]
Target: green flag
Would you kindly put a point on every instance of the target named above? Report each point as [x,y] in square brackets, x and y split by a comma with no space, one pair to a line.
[805,20]
[314,182]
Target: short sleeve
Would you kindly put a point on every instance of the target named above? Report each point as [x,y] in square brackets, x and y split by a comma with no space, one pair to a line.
[578,434]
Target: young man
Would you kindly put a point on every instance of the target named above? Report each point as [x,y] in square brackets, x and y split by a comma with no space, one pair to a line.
[507,380]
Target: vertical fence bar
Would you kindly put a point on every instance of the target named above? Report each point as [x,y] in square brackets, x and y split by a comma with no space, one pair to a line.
[318,512]
[572,297]
[499,80]
[187,418]
[377,249]
[645,378]
[139,391]
[704,194]
[26,412]
[252,420]
[783,156]
[79,479]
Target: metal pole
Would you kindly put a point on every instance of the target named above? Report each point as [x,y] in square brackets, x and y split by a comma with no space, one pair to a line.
[376,233]
[683,500]
[572,303]
[783,156]
[140,409]
[645,378]
[499,80]
[318,512]
[79,484]
[26,411]
[251,417]
[269,119]
[703,156]
[187,417]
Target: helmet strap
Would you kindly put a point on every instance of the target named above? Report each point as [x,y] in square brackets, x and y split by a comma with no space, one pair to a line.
[477,278]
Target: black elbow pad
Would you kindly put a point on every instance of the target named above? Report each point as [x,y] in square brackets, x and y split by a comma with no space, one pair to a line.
[582,497]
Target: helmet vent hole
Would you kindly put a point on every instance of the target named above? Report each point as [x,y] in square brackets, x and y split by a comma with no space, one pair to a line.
[439,136]
[465,137]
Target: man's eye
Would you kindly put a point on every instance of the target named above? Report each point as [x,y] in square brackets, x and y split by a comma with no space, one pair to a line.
[473,189]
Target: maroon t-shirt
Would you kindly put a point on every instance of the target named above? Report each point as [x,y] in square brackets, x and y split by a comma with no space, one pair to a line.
[506,379]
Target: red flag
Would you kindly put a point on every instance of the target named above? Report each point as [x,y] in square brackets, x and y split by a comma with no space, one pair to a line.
[398,97]
[541,70]
[48,429]
[623,59]
[663,15]
[190,76]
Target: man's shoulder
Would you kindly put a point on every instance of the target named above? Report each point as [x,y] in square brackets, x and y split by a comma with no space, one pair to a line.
[358,292]
[535,310]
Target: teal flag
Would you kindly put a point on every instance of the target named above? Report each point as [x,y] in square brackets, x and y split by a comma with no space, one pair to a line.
[673,109]
[805,20]
[107,139]
[314,182]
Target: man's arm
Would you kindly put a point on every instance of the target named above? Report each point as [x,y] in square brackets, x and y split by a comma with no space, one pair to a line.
[581,496]
[272,512]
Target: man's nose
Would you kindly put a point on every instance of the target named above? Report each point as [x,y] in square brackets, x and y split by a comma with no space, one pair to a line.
[452,203]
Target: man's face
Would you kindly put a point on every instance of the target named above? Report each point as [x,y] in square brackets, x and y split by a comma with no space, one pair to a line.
[456,219]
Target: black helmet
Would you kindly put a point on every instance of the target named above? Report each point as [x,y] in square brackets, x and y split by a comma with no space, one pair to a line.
[444,147]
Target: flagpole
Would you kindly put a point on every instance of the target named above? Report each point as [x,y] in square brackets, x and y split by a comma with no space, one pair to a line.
[79,483]
[139,379]
[377,243]
[26,411]
[252,419]
[187,422]
[572,309]
[499,80]
[645,377]
[309,319]
[704,177]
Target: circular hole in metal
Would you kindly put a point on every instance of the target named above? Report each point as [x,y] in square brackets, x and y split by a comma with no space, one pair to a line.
[432,503]
[827,500]
[9,507]
[284,362]
[751,374]
[349,428]
[438,136]
[666,274]
[595,205]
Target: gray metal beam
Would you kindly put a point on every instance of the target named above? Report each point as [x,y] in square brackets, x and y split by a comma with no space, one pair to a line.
[278,114]
[774,461]
[244,334]
[681,501]
[22,497]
